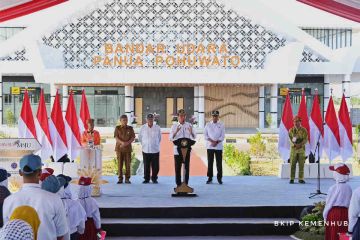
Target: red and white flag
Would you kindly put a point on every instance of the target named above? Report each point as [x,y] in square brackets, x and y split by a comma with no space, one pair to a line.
[42,130]
[345,128]
[302,113]
[57,130]
[285,126]
[316,128]
[84,113]
[331,132]
[26,124]
[72,129]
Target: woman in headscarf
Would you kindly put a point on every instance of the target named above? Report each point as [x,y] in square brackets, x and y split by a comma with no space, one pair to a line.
[337,203]
[16,230]
[29,215]
[93,222]
[75,213]
[4,191]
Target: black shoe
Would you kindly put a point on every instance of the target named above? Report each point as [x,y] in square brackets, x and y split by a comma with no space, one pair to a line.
[120,182]
[302,181]
[209,181]
[155,181]
[146,181]
[127,181]
[291,182]
[220,181]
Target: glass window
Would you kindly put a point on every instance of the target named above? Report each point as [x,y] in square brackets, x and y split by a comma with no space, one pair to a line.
[106,104]
[13,100]
[333,38]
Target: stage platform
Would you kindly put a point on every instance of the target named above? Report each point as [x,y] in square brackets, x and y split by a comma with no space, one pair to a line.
[236,191]
[245,205]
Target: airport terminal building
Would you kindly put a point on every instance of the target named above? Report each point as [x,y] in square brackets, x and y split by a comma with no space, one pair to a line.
[141,56]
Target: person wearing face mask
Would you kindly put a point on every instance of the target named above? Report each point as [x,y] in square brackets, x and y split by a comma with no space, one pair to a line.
[4,191]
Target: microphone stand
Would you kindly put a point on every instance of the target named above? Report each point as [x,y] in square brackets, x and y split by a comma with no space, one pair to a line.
[318,191]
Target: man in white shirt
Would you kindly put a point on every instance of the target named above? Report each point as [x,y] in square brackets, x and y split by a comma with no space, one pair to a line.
[214,135]
[181,129]
[150,138]
[48,205]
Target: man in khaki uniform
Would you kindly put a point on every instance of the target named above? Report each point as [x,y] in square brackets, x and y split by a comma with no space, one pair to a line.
[298,138]
[124,136]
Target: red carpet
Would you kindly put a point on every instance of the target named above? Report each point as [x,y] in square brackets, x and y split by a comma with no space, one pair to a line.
[197,167]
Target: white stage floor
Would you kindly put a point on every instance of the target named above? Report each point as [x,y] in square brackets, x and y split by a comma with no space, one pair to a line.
[236,191]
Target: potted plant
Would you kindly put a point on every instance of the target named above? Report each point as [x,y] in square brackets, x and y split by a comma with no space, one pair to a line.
[133,122]
[156,118]
[174,118]
[193,121]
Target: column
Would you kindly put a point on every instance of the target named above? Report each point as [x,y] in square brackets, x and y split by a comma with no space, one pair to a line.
[128,104]
[326,92]
[196,103]
[1,101]
[262,107]
[274,105]
[346,89]
[132,101]
[65,98]
[52,94]
[201,107]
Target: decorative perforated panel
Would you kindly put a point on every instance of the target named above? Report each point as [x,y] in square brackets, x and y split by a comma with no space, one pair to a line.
[16,56]
[168,21]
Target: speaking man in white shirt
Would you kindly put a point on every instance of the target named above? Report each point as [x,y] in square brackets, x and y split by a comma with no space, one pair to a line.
[48,205]
[214,135]
[150,138]
[181,129]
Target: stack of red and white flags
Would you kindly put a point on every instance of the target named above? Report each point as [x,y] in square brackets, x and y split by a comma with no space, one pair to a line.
[56,136]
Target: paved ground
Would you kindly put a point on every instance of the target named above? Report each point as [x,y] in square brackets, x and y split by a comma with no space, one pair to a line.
[236,191]
[197,166]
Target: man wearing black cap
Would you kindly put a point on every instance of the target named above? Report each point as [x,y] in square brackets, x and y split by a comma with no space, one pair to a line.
[150,138]
[214,134]
[4,191]
[181,129]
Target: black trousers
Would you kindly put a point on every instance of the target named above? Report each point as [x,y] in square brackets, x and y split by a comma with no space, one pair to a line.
[210,155]
[178,168]
[151,161]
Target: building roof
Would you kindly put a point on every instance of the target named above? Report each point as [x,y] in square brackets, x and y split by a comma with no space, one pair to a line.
[17,8]
[344,8]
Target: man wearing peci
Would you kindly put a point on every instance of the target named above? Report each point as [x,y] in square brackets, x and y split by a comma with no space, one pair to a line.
[181,129]
[214,134]
[124,136]
[150,138]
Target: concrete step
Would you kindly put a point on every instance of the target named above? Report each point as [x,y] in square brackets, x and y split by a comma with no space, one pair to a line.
[199,226]
[204,212]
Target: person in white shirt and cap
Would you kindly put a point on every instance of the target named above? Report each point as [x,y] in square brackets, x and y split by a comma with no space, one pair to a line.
[48,205]
[150,138]
[337,203]
[214,134]
[75,213]
[93,222]
[181,129]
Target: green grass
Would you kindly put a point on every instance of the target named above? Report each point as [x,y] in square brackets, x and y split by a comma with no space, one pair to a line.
[308,236]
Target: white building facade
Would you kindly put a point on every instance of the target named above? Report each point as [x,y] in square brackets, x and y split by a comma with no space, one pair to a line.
[137,56]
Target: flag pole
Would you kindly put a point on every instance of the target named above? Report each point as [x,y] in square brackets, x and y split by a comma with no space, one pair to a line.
[317,150]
